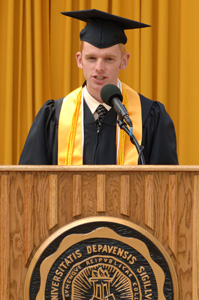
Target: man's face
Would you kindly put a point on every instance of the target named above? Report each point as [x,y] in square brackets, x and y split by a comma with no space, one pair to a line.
[100,66]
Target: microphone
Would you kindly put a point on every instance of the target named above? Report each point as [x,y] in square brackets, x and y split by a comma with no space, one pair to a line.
[112,96]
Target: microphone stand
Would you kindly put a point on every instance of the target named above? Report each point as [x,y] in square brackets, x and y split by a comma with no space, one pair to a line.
[134,141]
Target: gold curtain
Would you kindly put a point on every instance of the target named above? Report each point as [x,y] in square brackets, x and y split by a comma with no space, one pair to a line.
[37,59]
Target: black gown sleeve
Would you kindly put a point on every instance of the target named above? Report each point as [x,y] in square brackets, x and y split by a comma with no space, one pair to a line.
[158,136]
[42,142]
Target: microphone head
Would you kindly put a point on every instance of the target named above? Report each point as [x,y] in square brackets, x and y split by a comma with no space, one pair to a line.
[109,92]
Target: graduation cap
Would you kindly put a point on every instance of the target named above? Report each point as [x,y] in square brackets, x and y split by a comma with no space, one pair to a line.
[103,29]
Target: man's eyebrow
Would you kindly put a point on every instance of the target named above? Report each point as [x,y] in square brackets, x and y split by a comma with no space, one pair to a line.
[110,55]
[103,55]
[90,54]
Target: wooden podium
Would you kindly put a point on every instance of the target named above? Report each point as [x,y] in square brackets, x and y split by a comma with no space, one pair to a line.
[35,201]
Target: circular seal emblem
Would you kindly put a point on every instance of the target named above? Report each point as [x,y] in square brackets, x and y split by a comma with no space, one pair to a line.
[101,258]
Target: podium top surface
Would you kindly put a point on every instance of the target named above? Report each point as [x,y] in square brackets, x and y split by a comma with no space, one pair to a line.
[99,168]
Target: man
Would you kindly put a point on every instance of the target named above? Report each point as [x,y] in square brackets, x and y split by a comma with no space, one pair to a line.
[71,130]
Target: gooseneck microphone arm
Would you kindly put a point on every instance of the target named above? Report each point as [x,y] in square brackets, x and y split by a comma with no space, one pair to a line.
[112,96]
[122,125]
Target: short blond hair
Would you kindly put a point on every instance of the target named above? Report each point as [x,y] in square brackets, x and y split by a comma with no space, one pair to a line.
[122,47]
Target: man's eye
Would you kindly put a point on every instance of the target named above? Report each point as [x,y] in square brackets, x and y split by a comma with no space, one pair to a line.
[109,59]
[91,58]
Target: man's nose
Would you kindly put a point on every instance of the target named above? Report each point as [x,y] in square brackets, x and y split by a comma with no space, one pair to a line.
[99,65]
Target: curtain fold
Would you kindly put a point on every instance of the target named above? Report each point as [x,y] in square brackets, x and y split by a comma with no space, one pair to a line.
[7,86]
[188,133]
[37,58]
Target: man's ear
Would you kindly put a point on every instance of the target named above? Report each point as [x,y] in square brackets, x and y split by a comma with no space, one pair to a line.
[79,60]
[125,59]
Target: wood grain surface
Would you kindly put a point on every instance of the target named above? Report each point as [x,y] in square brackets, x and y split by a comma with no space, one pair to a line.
[36,201]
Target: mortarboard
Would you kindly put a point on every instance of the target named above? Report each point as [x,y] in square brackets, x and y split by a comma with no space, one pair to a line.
[103,29]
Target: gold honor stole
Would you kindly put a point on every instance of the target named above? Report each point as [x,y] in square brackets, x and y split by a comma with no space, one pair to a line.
[70,137]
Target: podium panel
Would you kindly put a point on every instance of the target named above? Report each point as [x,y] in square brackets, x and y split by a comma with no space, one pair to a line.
[35,201]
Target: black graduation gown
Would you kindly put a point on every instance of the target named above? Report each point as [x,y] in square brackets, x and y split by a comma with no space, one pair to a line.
[158,136]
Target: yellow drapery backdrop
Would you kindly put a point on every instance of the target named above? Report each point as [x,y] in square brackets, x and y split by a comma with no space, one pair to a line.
[37,63]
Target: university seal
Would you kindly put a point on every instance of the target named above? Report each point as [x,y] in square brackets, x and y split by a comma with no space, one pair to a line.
[101,258]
